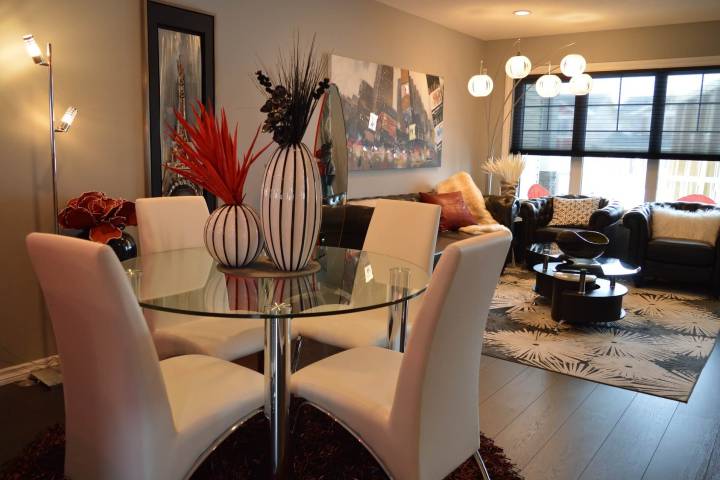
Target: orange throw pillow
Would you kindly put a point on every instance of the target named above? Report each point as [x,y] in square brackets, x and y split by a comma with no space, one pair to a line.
[454,213]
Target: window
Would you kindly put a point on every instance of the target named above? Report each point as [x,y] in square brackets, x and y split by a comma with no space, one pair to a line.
[692,114]
[619,111]
[679,178]
[665,114]
[544,175]
[622,179]
[547,123]
[662,124]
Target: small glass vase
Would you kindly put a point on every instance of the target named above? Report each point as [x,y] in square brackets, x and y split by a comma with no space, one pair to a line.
[508,189]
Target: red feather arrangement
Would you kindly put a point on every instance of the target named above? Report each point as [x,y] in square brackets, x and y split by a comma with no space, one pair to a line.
[210,156]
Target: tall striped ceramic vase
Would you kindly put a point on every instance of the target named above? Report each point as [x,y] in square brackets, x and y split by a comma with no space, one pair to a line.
[233,235]
[291,207]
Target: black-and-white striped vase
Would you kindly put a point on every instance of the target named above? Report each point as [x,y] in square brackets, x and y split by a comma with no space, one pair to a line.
[233,235]
[291,207]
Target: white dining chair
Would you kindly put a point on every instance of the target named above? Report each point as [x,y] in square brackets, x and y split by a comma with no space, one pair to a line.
[127,414]
[418,412]
[399,229]
[172,223]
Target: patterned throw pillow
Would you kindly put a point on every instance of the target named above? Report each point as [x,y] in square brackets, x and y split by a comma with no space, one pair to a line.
[573,211]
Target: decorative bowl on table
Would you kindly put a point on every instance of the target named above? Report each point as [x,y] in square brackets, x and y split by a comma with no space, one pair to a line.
[582,245]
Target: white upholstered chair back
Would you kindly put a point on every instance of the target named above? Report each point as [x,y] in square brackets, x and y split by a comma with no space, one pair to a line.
[436,401]
[116,406]
[171,223]
[406,230]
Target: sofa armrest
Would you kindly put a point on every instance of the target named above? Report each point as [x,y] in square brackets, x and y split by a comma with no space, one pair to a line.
[606,216]
[503,209]
[637,220]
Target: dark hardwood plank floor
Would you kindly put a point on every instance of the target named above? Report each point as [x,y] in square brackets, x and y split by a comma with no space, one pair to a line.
[553,426]
[564,428]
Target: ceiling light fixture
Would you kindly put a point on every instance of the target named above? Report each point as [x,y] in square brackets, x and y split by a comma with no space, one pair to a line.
[522,13]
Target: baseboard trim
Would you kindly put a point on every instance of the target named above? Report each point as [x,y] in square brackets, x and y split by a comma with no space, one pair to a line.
[20,372]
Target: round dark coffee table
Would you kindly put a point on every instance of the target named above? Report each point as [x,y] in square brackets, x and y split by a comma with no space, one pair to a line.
[601,300]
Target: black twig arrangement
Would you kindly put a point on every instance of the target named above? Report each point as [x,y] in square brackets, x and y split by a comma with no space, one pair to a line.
[292,93]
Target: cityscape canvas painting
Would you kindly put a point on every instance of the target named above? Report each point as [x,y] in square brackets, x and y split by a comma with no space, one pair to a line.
[393,116]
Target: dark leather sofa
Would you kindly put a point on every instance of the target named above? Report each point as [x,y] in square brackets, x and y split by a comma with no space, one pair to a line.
[673,259]
[536,213]
[347,225]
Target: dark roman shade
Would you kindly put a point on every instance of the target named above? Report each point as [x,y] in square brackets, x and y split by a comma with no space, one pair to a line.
[658,114]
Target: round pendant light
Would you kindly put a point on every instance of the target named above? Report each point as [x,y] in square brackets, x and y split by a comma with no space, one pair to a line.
[518,66]
[573,65]
[548,86]
[581,84]
[480,85]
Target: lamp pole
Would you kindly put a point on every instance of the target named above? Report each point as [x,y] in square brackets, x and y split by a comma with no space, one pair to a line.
[53,156]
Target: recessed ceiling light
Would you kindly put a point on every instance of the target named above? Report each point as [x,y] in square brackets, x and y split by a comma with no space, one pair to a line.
[522,13]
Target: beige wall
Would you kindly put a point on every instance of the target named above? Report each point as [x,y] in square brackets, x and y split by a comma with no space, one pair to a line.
[98,47]
[98,69]
[650,43]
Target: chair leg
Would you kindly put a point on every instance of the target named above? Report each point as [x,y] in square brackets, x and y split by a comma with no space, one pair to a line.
[481,465]
[296,354]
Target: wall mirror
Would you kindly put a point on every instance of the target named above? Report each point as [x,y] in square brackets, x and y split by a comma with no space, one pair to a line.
[331,149]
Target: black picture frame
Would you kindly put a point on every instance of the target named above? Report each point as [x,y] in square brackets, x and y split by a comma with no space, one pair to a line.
[168,17]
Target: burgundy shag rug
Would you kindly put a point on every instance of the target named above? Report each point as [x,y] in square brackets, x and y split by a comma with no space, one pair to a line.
[322,449]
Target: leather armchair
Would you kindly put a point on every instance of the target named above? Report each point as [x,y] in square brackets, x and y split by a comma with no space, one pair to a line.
[536,213]
[683,260]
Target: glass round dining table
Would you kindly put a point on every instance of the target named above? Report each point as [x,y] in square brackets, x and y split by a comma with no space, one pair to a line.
[189,282]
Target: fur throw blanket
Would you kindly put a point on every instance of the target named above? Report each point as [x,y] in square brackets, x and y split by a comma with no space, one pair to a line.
[462,182]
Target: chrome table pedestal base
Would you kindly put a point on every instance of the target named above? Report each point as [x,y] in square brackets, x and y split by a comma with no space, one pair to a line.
[481,465]
[397,323]
[277,386]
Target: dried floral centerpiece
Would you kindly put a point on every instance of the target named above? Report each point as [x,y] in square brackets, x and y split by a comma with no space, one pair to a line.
[233,234]
[291,203]
[102,219]
[508,168]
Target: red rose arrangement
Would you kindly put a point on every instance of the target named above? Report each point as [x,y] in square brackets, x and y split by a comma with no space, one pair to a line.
[103,217]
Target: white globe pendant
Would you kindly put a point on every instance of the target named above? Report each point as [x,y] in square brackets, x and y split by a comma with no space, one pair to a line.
[480,85]
[548,86]
[581,84]
[573,65]
[518,66]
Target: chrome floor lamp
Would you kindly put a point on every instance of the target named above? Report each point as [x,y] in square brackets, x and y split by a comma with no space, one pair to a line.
[50,376]
[65,122]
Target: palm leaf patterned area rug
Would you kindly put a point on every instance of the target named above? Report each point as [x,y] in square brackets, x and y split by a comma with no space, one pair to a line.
[659,348]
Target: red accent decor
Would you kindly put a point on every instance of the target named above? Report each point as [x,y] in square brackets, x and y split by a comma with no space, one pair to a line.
[537,191]
[454,213]
[697,198]
[104,217]
[210,157]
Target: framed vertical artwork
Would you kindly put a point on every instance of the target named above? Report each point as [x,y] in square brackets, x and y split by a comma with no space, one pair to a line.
[180,72]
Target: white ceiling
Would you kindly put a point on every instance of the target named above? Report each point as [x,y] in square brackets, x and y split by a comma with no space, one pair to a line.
[493,19]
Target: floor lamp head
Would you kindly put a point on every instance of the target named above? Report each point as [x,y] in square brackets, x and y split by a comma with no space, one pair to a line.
[33,50]
[67,120]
